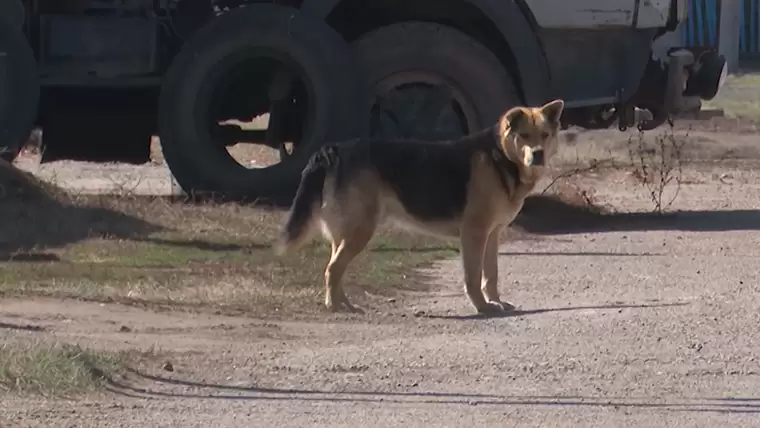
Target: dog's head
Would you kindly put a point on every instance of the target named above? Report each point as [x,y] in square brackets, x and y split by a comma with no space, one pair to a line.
[528,136]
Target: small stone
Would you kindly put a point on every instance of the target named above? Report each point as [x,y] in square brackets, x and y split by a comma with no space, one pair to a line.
[168,367]
[124,329]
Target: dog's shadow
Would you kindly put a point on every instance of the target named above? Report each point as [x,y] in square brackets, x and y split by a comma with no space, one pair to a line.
[525,312]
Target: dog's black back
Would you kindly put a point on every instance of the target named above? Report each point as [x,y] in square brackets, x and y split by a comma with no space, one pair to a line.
[430,178]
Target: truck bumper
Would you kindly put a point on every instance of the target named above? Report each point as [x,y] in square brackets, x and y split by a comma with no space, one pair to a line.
[691,80]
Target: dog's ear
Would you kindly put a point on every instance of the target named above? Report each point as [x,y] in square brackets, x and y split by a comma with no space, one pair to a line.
[552,110]
[515,116]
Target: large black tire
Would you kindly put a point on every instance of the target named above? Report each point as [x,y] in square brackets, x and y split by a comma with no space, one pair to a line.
[428,52]
[19,90]
[325,60]
[12,12]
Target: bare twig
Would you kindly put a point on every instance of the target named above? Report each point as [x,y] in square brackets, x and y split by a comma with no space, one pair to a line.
[592,166]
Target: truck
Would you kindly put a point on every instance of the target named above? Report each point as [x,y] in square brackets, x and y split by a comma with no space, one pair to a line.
[102,77]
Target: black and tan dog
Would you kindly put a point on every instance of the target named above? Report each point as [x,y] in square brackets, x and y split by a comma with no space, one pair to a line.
[470,189]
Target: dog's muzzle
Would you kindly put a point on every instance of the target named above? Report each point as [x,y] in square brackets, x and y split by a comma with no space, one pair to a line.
[538,157]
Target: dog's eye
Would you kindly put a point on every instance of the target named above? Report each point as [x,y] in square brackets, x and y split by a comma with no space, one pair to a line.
[544,135]
[525,136]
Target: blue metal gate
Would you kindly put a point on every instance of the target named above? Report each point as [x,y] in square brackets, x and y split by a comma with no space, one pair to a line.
[749,42]
[702,26]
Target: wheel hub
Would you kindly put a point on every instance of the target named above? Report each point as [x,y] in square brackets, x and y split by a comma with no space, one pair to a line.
[421,106]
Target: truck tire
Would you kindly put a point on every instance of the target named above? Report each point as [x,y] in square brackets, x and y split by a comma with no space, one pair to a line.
[327,66]
[12,12]
[412,53]
[20,89]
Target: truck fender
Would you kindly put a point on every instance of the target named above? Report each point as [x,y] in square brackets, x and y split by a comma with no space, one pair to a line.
[513,25]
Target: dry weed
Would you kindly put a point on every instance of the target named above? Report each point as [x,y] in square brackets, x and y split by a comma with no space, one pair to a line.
[657,166]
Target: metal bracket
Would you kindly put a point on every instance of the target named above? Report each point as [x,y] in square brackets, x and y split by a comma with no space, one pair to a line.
[676,84]
[623,111]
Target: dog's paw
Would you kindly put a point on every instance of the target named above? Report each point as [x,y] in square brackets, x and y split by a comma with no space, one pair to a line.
[505,306]
[491,308]
[344,308]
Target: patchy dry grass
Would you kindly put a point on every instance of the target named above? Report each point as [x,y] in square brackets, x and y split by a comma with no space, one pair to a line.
[739,97]
[152,250]
[57,370]
[172,269]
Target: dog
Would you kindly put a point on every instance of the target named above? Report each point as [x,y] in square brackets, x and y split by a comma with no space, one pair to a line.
[470,189]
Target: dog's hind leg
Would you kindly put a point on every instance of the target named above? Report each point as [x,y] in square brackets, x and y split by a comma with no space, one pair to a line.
[343,252]
[490,285]
[349,220]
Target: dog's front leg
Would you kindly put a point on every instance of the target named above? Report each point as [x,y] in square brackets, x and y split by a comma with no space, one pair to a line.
[491,270]
[473,243]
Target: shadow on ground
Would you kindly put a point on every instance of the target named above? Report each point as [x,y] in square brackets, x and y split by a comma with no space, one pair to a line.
[35,215]
[205,245]
[177,388]
[526,312]
[20,327]
[548,215]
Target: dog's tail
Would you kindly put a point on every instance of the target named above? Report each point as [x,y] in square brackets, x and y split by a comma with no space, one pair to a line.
[301,219]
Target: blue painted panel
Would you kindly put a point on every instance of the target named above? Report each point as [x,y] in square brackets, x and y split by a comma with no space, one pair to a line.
[702,25]
[749,39]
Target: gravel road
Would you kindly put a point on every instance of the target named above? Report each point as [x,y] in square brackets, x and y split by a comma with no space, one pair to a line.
[652,324]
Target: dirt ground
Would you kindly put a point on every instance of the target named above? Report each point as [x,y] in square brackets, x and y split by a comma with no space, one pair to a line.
[636,321]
